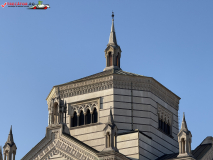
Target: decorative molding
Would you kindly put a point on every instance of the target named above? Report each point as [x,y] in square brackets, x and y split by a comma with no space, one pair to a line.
[64,148]
[165,114]
[84,106]
[118,81]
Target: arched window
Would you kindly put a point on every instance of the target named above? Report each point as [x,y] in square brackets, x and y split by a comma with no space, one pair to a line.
[74,120]
[107,140]
[117,61]
[81,118]
[168,128]
[165,126]
[88,117]
[95,116]
[110,59]
[183,145]
[159,122]
[55,113]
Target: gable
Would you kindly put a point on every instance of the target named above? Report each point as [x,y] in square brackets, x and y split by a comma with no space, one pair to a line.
[58,146]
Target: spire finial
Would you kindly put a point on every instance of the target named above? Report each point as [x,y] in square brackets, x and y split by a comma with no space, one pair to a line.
[10,136]
[11,129]
[184,125]
[113,15]
[110,118]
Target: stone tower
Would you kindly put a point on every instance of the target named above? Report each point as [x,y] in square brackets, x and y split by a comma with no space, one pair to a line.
[10,147]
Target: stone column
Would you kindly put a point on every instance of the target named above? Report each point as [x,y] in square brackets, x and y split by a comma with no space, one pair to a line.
[85,118]
[107,60]
[187,145]
[13,156]
[180,147]
[115,141]
[78,120]
[91,116]
[5,156]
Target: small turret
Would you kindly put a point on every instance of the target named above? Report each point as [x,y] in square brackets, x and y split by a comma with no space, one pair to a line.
[110,133]
[10,147]
[184,140]
[113,50]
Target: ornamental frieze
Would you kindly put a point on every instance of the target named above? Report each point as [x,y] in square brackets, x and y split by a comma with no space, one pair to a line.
[122,82]
[84,106]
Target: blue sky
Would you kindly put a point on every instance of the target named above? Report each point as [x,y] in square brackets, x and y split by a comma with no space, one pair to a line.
[169,40]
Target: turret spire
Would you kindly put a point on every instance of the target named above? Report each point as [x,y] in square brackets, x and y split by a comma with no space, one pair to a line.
[110,118]
[10,136]
[184,125]
[113,50]
[10,147]
[112,36]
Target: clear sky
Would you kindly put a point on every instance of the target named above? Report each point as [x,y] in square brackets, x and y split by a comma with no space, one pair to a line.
[170,40]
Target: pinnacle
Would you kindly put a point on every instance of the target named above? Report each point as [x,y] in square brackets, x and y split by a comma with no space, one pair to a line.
[10,136]
[110,118]
[112,36]
[184,125]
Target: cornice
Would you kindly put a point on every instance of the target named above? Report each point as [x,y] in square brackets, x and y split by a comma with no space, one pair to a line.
[140,83]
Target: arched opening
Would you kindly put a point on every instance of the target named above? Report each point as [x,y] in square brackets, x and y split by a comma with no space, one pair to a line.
[74,120]
[55,113]
[95,116]
[88,117]
[165,126]
[117,61]
[81,118]
[162,123]
[168,128]
[159,122]
[107,140]
[183,145]
[110,59]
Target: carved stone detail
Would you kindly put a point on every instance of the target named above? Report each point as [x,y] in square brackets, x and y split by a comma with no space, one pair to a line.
[69,151]
[164,114]
[55,135]
[123,82]
[84,106]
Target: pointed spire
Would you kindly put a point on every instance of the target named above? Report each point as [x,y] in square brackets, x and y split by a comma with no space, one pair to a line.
[10,137]
[110,118]
[184,125]
[112,36]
